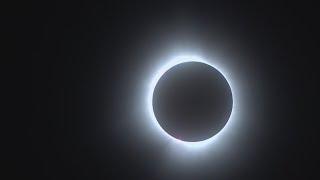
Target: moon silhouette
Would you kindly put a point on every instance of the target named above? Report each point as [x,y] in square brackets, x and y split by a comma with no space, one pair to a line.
[192,101]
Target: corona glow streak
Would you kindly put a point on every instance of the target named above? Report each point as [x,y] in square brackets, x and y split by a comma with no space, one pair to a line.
[182,59]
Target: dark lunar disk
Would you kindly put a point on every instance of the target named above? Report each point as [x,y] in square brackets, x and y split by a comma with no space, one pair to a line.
[192,101]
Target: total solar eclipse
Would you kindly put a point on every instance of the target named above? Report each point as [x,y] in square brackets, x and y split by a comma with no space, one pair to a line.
[191,101]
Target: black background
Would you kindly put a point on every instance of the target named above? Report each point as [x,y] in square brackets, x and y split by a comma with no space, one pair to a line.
[75,59]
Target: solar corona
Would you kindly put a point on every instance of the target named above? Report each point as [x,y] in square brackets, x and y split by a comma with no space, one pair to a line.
[203,142]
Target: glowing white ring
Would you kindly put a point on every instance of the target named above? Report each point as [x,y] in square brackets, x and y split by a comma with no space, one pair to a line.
[175,61]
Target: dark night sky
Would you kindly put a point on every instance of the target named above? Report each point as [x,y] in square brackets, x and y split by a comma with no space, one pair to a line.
[84,63]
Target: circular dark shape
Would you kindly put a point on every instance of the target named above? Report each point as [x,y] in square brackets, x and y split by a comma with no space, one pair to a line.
[192,101]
